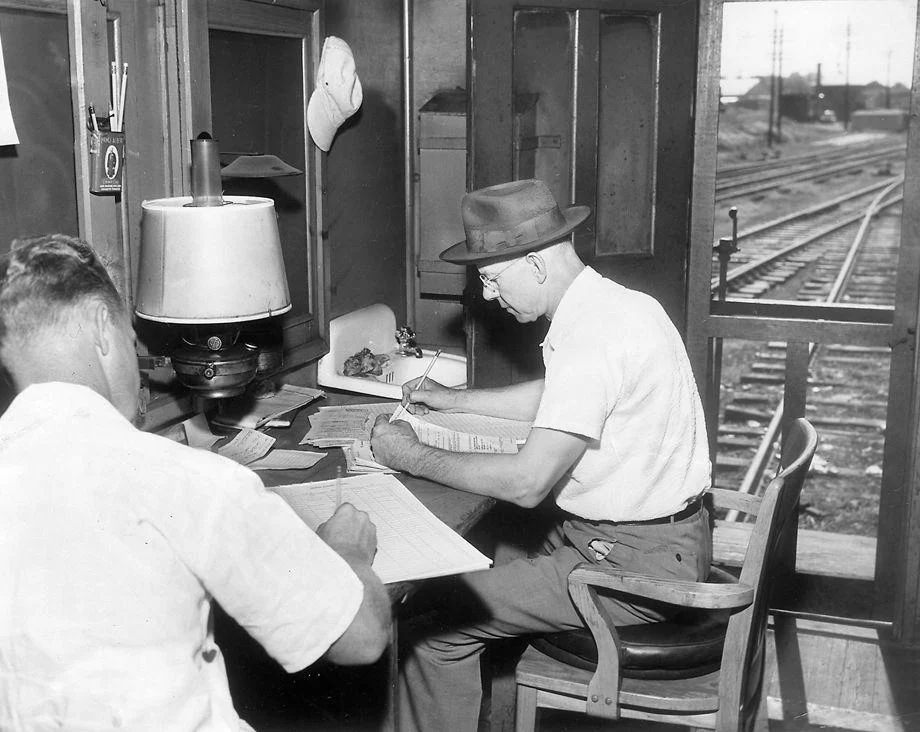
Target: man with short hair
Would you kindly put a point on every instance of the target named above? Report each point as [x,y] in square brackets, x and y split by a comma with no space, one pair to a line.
[618,439]
[113,541]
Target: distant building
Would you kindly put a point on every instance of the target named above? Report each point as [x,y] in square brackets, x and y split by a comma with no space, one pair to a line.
[889,120]
[732,90]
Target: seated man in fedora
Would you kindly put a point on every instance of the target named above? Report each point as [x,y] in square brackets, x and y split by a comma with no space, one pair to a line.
[113,541]
[618,439]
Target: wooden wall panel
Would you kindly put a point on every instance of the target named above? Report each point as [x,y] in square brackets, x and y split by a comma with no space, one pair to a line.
[365,203]
[37,180]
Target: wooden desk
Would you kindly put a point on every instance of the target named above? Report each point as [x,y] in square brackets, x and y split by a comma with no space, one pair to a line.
[457,509]
[276,695]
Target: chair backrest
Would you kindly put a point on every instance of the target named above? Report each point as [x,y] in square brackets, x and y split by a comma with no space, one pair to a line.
[745,640]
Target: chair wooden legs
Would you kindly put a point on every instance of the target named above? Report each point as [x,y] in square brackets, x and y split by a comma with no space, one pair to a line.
[525,719]
[761,719]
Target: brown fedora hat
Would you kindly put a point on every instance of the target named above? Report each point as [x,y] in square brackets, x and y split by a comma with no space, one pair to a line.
[511,218]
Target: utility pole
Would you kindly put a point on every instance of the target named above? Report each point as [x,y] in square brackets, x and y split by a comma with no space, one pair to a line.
[779,89]
[846,86]
[888,82]
[819,94]
[772,87]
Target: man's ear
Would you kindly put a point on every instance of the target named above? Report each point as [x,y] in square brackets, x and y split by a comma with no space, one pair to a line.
[101,318]
[539,266]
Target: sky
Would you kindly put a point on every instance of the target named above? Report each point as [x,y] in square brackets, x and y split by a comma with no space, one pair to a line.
[816,32]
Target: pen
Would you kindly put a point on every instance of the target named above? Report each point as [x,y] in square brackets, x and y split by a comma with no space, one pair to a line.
[401,408]
[92,116]
[338,487]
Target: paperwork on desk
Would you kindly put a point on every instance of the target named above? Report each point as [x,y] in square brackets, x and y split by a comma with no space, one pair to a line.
[359,458]
[249,448]
[287,460]
[349,427]
[252,412]
[412,543]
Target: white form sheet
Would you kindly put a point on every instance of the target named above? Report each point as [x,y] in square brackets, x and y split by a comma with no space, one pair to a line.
[287,460]
[469,424]
[412,543]
[359,458]
[453,441]
[248,445]
[198,432]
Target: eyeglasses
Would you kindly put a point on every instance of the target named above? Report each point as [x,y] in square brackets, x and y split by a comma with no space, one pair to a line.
[491,283]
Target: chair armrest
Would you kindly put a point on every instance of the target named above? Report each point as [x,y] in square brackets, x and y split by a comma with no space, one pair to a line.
[676,592]
[603,697]
[735,500]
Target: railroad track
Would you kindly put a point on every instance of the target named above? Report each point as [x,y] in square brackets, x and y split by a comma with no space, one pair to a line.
[754,178]
[837,251]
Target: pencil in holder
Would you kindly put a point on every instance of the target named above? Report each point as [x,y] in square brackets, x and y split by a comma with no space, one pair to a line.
[107,157]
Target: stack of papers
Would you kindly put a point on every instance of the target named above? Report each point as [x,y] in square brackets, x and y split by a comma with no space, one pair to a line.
[412,543]
[444,438]
[359,458]
[341,426]
[249,447]
[271,411]
[350,428]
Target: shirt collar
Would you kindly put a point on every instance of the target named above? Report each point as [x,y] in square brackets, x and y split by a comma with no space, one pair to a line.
[578,296]
[61,398]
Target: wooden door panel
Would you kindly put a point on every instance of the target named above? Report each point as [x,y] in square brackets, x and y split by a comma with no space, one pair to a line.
[613,84]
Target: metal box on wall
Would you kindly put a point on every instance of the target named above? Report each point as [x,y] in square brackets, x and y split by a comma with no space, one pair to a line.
[442,181]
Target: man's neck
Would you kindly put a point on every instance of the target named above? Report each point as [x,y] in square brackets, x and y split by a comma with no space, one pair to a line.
[568,272]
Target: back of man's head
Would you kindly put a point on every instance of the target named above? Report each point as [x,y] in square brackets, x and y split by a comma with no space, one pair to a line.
[44,281]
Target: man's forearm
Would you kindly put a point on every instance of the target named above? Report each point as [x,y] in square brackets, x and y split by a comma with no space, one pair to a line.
[366,638]
[516,401]
[496,476]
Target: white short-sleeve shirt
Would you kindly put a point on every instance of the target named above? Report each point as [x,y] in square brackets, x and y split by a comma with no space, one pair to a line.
[112,544]
[618,374]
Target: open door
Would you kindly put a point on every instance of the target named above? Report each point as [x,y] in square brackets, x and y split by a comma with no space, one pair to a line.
[596,99]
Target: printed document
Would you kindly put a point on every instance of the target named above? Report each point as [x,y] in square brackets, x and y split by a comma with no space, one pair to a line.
[412,543]
[248,445]
[287,460]
[454,441]
[340,426]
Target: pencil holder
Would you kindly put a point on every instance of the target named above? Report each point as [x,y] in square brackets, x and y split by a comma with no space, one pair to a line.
[107,156]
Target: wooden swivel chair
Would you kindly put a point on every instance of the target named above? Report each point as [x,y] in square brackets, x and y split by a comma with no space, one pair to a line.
[703,668]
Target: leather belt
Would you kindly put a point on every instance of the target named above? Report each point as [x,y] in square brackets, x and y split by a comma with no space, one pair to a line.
[691,509]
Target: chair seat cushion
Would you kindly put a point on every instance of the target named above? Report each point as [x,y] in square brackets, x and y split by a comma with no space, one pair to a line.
[686,645]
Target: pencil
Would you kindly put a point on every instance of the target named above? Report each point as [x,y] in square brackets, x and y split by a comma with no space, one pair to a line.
[121,99]
[114,110]
[401,408]
[338,487]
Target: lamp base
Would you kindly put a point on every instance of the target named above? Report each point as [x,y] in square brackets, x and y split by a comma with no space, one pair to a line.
[215,366]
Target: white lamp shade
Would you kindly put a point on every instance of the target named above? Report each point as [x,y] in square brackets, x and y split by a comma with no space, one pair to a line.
[210,264]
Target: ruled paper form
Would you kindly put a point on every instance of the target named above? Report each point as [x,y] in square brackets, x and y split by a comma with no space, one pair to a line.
[412,543]
[454,441]
[475,432]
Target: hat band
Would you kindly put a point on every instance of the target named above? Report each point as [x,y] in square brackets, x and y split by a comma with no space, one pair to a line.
[532,230]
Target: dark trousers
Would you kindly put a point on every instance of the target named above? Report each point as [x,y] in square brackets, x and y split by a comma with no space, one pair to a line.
[440,686]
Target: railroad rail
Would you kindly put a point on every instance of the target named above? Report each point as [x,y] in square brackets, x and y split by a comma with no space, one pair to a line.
[843,249]
[761,177]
